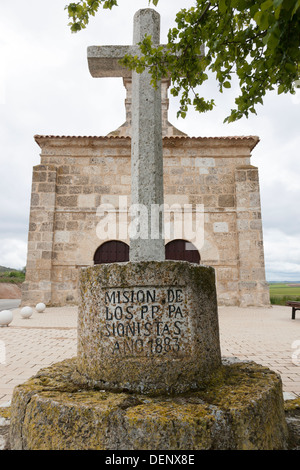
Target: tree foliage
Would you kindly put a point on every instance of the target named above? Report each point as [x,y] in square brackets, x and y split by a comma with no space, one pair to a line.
[259,42]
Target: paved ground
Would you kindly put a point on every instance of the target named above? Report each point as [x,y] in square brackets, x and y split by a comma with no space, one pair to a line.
[266,336]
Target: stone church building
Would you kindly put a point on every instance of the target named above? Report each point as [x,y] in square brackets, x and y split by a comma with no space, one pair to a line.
[77,175]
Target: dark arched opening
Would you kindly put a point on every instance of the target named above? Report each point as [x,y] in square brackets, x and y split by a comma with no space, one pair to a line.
[112,251]
[181,250]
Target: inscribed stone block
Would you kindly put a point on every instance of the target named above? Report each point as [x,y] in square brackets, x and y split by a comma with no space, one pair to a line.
[149,326]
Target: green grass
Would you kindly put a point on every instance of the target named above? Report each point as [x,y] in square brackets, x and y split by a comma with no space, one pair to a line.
[12,277]
[281,293]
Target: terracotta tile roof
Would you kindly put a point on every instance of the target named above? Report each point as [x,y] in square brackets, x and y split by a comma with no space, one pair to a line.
[251,141]
[235,138]
[38,137]
[248,141]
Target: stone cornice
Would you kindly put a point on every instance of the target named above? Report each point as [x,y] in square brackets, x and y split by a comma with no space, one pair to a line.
[81,141]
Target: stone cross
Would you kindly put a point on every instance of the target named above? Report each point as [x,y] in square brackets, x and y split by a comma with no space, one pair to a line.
[146,147]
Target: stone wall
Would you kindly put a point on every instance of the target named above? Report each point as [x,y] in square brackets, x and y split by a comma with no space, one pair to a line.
[78,174]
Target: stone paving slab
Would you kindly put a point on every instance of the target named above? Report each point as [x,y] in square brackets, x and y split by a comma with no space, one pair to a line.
[267,336]
[27,345]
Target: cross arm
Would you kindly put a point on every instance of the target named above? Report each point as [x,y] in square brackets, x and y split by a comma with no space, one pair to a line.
[103,61]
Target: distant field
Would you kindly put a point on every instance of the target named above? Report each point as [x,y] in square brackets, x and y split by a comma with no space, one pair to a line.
[12,277]
[280,293]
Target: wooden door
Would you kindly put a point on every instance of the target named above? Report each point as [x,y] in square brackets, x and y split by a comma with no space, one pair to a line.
[112,252]
[183,251]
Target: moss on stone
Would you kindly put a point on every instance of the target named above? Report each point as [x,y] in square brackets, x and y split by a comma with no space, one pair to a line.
[5,412]
[292,405]
[241,408]
[231,385]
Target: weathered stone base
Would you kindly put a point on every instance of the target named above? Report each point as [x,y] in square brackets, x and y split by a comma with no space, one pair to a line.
[241,409]
[5,428]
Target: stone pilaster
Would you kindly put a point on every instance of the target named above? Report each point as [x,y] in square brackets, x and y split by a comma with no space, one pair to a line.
[253,288]
[38,286]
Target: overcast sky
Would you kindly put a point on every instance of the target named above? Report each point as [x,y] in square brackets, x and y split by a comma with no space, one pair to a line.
[46,88]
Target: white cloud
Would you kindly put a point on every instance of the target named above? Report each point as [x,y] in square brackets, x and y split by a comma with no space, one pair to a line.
[13,253]
[296,98]
[282,253]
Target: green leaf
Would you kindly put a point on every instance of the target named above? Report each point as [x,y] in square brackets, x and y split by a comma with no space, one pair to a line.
[292,68]
[222,6]
[257,17]
[277,3]
[296,7]
[266,5]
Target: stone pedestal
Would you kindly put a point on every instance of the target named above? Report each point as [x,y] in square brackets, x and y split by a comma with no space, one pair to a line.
[240,409]
[148,327]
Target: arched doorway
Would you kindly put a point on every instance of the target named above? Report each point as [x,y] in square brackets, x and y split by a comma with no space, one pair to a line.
[112,251]
[181,250]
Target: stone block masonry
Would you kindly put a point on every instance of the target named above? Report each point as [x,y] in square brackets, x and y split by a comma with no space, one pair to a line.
[77,174]
[249,234]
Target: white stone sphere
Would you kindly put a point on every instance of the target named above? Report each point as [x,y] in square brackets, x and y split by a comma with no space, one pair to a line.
[26,312]
[6,317]
[40,307]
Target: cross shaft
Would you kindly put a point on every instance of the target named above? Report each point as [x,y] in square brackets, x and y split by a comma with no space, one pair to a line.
[146,147]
